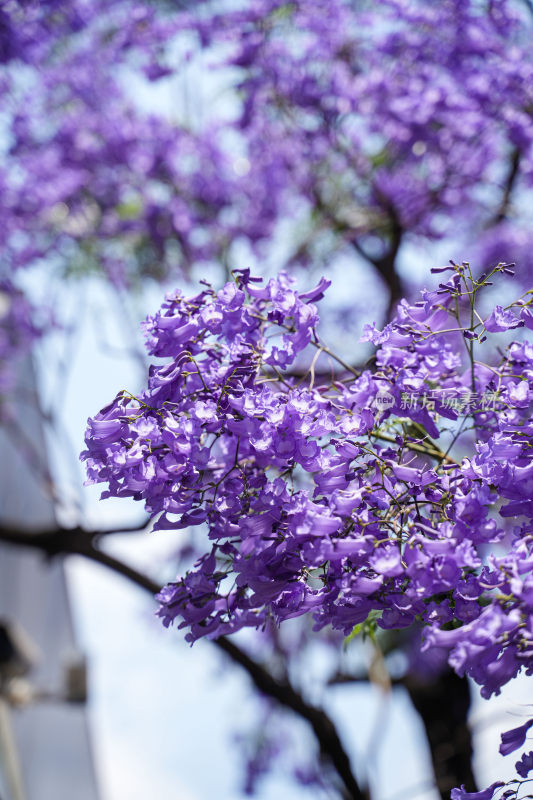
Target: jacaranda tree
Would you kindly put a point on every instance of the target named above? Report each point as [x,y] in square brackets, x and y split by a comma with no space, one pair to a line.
[388,499]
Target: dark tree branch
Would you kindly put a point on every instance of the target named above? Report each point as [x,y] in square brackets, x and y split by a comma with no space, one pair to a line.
[77,541]
[385,264]
[136,528]
[443,705]
[514,169]
[358,247]
[281,690]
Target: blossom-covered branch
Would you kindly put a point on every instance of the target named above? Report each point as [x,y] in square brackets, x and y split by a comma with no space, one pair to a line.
[335,499]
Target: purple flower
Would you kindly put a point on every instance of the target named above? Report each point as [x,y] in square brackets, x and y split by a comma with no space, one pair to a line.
[486,794]
[525,764]
[515,738]
[526,316]
[501,320]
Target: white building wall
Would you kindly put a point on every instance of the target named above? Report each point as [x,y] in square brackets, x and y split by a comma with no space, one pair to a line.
[51,737]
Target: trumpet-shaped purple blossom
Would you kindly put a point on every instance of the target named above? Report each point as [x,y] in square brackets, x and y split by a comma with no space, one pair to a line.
[525,765]
[515,738]
[485,794]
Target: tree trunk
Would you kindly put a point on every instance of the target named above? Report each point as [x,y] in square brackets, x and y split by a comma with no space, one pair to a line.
[443,706]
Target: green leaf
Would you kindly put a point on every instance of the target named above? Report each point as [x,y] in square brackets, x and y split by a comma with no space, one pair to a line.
[130,209]
[368,628]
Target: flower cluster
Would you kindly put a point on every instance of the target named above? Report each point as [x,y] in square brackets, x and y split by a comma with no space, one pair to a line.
[388,116]
[361,125]
[334,498]
[324,498]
